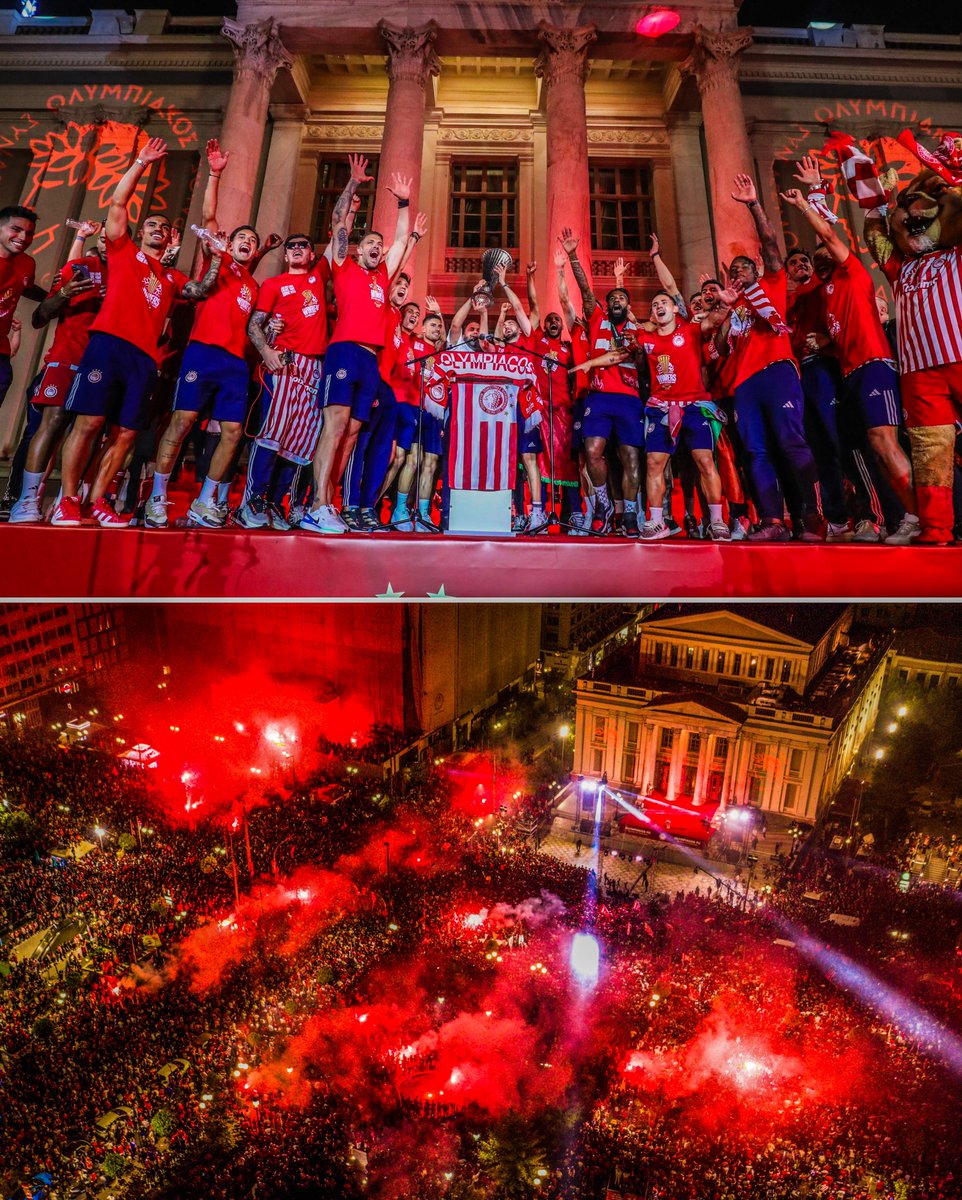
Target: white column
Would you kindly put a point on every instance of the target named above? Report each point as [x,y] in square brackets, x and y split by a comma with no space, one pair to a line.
[679,750]
[280,178]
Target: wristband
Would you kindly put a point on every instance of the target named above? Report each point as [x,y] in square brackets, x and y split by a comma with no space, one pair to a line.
[416,236]
[753,204]
[213,176]
[403,203]
[140,162]
[656,254]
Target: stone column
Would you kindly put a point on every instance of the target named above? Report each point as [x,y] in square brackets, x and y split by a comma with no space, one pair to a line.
[258,55]
[679,751]
[691,204]
[714,64]
[705,751]
[411,62]
[563,67]
[277,199]
[650,749]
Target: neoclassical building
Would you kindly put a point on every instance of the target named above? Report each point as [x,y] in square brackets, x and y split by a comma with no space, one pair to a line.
[514,119]
[765,705]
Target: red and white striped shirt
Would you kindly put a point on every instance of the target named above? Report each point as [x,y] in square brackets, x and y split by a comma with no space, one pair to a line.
[292,423]
[485,388]
[928,306]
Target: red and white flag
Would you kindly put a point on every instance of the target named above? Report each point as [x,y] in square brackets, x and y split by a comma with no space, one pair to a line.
[484,390]
[859,170]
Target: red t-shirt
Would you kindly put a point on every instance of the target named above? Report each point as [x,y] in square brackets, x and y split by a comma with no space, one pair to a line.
[16,275]
[140,293]
[806,315]
[222,318]
[412,363]
[362,303]
[675,363]
[601,338]
[73,328]
[755,344]
[852,317]
[552,351]
[392,348]
[299,299]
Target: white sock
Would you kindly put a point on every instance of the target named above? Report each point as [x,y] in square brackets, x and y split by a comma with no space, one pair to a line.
[714,512]
[31,484]
[207,490]
[223,491]
[656,515]
[537,506]
[160,485]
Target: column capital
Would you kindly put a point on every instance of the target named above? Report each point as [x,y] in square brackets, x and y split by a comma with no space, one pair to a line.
[565,52]
[715,55]
[258,49]
[410,52]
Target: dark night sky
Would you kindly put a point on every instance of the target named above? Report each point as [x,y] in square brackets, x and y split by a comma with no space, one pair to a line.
[937,16]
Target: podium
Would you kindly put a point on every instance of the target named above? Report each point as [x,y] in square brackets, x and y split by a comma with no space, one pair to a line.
[483,514]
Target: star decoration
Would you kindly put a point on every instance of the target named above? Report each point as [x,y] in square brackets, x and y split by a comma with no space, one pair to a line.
[390,594]
[440,594]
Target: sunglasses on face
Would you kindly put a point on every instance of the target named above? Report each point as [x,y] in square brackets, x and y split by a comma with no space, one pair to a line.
[298,246]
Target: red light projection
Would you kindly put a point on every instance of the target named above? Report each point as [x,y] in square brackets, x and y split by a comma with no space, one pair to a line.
[658,22]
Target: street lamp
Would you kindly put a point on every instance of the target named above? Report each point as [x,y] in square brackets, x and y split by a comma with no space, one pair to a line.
[903,710]
[564,733]
[101,834]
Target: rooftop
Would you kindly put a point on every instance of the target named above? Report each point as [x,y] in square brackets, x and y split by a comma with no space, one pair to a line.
[807,622]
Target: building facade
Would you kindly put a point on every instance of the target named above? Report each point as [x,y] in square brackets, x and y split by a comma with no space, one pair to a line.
[515,121]
[755,706]
[575,637]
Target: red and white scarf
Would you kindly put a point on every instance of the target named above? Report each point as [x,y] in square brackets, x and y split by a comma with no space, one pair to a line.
[859,170]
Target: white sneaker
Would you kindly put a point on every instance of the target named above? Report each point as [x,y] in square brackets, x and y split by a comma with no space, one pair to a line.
[206,513]
[296,515]
[26,510]
[908,530]
[326,520]
[578,522]
[537,520]
[718,531]
[841,531]
[654,531]
[252,514]
[155,512]
[741,528]
[867,531]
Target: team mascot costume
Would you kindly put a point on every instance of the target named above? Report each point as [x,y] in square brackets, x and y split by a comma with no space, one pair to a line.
[915,236]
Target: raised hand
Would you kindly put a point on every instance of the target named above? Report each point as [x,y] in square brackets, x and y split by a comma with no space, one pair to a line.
[618,268]
[729,297]
[655,247]
[400,187]
[500,271]
[359,169]
[530,269]
[744,191]
[88,229]
[560,259]
[355,204]
[807,171]
[153,150]
[794,197]
[216,158]
[420,224]
[569,243]
[77,285]
[704,277]
[273,241]
[431,305]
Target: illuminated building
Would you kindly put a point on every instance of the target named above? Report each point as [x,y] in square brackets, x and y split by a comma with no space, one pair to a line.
[574,637]
[512,127]
[46,647]
[763,705]
[924,657]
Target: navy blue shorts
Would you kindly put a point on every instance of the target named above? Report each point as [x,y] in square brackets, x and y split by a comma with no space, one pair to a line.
[874,388]
[432,434]
[351,379]
[577,419]
[114,380]
[6,375]
[614,414]
[212,382]
[530,442]
[696,431]
[406,425]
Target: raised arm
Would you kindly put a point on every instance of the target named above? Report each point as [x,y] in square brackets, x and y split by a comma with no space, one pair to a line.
[153,151]
[746,194]
[431,306]
[199,289]
[713,320]
[340,223]
[567,308]
[665,277]
[569,243]
[400,189]
[457,321]
[521,316]
[499,327]
[418,232]
[534,313]
[216,162]
[833,243]
[54,302]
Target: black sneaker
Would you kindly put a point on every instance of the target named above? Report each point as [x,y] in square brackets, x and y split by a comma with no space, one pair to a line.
[604,512]
[371,522]
[771,531]
[6,503]
[629,525]
[692,528]
[351,516]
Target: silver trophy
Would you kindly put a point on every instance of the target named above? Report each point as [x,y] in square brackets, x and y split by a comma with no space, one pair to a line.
[491,260]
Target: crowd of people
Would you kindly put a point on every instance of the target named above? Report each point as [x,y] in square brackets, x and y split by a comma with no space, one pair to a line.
[111,1025]
[327,393]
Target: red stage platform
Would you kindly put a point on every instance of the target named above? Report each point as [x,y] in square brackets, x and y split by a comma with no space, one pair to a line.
[41,562]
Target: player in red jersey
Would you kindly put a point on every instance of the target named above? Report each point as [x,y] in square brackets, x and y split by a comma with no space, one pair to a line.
[870,377]
[351,376]
[213,373]
[17,273]
[119,366]
[769,404]
[74,300]
[613,404]
[558,465]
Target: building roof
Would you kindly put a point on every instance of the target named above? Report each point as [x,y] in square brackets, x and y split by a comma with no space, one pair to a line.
[935,645]
[807,622]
